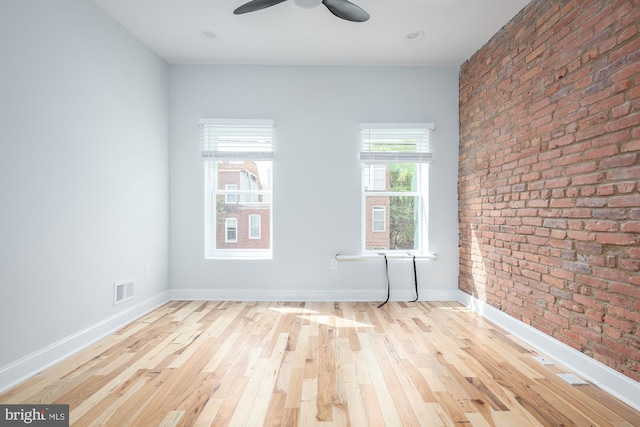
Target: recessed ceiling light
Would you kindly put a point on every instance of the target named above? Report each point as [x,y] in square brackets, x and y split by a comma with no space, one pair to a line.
[415,35]
[208,34]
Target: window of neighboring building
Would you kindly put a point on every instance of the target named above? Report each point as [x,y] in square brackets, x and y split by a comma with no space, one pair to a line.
[375,177]
[395,170]
[230,198]
[255,226]
[231,230]
[378,219]
[238,172]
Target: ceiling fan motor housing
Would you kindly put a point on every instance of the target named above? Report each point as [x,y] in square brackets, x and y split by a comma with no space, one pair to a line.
[308,4]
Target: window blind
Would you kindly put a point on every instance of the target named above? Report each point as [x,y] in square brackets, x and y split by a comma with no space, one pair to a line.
[236,139]
[403,142]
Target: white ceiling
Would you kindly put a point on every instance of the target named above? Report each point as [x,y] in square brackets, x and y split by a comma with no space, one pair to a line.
[286,34]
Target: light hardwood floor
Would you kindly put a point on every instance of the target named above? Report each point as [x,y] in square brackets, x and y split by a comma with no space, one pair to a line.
[316,364]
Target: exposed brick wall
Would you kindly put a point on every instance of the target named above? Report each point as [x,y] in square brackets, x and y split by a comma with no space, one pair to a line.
[549,168]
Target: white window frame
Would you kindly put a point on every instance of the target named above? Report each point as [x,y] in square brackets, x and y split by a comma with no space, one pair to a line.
[258,226]
[374,221]
[422,157]
[235,150]
[229,225]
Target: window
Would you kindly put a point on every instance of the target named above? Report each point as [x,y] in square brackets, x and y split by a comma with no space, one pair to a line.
[375,177]
[230,198]
[379,219]
[231,230]
[238,181]
[254,226]
[395,160]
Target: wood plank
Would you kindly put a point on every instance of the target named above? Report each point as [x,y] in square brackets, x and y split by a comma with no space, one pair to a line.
[100,413]
[383,394]
[209,413]
[327,396]
[267,382]
[171,419]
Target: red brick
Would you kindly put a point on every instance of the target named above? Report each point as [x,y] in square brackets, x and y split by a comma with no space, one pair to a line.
[629,264]
[631,227]
[557,183]
[582,235]
[631,200]
[586,333]
[617,238]
[624,122]
[607,104]
[618,161]
[604,354]
[592,178]
[627,187]
[581,168]
[602,225]
[592,202]
[611,139]
[605,190]
[621,110]
[631,145]
[625,173]
[612,274]
[577,213]
[623,313]
[592,127]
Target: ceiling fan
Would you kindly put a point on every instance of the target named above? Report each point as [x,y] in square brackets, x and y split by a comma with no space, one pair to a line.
[340,8]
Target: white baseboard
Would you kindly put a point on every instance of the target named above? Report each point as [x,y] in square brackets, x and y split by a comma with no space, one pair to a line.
[306,295]
[23,368]
[609,380]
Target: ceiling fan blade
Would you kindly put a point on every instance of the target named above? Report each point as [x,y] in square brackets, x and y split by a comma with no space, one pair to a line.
[346,10]
[254,5]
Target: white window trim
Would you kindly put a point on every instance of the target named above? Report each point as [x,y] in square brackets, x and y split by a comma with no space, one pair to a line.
[228,227]
[259,236]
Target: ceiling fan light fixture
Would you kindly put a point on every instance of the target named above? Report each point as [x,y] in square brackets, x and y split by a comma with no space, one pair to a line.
[208,34]
[415,35]
[308,4]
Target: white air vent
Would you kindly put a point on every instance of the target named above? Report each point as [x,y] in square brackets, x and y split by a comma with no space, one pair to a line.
[123,291]
[572,379]
[544,361]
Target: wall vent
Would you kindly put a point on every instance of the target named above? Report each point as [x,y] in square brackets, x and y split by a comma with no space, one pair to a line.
[123,291]
[572,379]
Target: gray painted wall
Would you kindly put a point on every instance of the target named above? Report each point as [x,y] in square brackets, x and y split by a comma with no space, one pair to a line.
[83,170]
[317,205]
